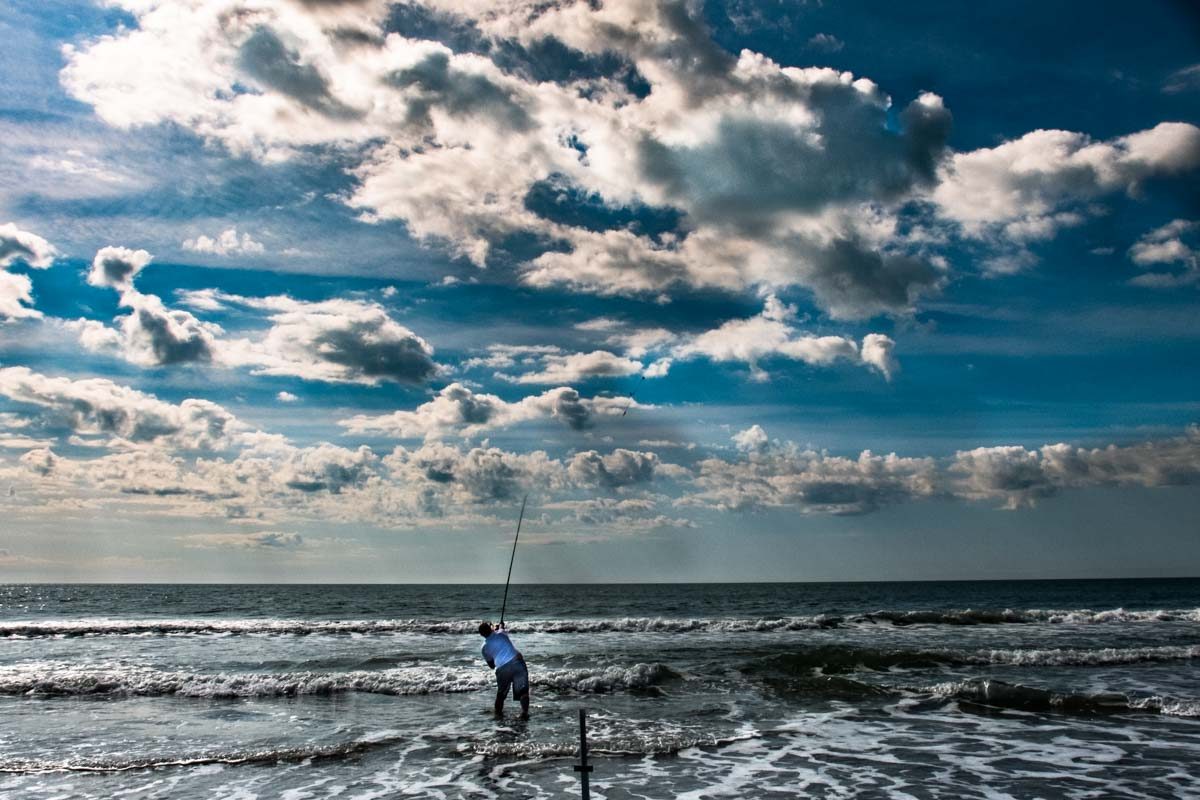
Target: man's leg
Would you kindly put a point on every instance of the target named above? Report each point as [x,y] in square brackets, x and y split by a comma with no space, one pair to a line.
[521,689]
[504,681]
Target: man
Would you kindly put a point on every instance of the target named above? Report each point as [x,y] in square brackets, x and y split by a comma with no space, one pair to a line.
[510,668]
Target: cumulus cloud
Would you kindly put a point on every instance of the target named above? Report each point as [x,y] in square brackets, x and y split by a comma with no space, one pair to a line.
[576,367]
[771,335]
[458,411]
[151,335]
[778,164]
[446,475]
[772,474]
[337,341]
[1028,188]
[116,267]
[99,406]
[1173,243]
[619,468]
[226,243]
[16,291]
[16,244]
[1019,477]
[784,475]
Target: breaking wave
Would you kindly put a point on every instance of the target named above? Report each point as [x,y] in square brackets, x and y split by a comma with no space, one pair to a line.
[59,679]
[835,659]
[999,694]
[132,763]
[650,744]
[299,627]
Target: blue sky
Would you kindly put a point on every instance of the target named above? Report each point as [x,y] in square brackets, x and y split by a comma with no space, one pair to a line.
[305,290]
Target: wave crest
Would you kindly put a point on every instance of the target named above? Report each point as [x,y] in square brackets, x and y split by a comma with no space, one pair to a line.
[60,679]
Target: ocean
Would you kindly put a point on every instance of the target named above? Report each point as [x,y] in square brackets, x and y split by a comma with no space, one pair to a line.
[1051,689]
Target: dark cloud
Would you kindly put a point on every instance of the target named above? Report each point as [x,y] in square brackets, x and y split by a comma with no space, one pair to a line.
[329,468]
[356,348]
[457,92]
[619,468]
[266,59]
[854,281]
[754,169]
[572,409]
[169,341]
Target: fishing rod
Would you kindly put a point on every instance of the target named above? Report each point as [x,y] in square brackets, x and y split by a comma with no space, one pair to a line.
[512,558]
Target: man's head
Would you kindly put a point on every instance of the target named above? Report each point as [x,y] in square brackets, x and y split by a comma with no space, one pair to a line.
[485,629]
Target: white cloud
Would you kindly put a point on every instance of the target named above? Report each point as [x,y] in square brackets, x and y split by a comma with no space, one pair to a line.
[286,397]
[151,335]
[429,126]
[16,291]
[787,476]
[575,367]
[1019,477]
[1167,245]
[226,243]
[770,335]
[877,353]
[616,469]
[751,439]
[338,341]
[1028,188]
[99,406]
[458,411]
[28,247]
[116,267]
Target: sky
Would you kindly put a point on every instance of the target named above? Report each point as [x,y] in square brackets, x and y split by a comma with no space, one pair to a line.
[320,290]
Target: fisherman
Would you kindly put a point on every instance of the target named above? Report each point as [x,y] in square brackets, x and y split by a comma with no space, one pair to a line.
[502,656]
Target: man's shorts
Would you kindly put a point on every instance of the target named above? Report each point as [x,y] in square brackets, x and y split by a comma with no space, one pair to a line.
[514,674]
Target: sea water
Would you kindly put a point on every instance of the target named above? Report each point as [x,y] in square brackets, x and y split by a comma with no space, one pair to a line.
[1066,689]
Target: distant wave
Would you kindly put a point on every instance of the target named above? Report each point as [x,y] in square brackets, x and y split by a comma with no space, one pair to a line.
[60,679]
[298,627]
[999,694]
[836,659]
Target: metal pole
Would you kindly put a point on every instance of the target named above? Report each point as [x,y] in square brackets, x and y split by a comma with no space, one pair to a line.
[583,768]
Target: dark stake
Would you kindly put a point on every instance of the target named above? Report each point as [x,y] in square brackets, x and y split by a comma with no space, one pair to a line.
[583,768]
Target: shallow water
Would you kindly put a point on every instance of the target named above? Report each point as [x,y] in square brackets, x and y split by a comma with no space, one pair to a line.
[997,689]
